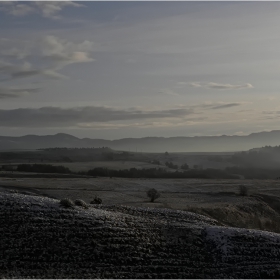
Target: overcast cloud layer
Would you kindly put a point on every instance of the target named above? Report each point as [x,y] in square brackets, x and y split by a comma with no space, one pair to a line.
[137,69]
[61,117]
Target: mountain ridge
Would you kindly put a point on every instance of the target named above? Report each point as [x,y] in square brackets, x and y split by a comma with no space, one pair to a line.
[223,143]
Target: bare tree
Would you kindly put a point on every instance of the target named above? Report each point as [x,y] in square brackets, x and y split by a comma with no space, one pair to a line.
[153,194]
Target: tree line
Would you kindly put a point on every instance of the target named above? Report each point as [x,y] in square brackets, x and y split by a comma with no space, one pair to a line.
[160,173]
[209,173]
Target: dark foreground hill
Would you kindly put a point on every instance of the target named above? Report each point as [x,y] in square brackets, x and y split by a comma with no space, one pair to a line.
[40,239]
[147,144]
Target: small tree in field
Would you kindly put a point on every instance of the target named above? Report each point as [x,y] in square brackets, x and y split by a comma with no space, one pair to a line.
[153,194]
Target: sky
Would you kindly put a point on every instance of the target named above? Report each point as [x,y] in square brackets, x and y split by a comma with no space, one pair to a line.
[116,70]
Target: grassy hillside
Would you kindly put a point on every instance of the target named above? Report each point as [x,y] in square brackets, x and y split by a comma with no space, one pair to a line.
[41,239]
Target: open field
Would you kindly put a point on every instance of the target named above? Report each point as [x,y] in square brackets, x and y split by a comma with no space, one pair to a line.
[183,191]
[85,159]
[218,199]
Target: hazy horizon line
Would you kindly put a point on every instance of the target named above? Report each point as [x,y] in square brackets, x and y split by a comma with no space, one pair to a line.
[179,136]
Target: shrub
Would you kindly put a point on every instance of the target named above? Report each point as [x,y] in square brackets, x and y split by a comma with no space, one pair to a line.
[243,190]
[67,203]
[96,200]
[153,194]
[185,166]
[80,202]
[171,165]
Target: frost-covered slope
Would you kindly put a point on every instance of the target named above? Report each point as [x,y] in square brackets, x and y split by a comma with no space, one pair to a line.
[41,239]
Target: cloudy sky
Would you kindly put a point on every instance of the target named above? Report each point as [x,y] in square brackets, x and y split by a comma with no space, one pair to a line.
[135,69]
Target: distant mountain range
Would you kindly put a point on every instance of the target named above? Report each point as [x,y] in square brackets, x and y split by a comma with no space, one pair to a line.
[222,143]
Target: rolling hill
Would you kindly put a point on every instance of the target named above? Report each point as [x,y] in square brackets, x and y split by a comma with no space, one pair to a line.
[41,239]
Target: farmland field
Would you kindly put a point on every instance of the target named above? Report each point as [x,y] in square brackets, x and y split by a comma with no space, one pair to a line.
[83,160]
